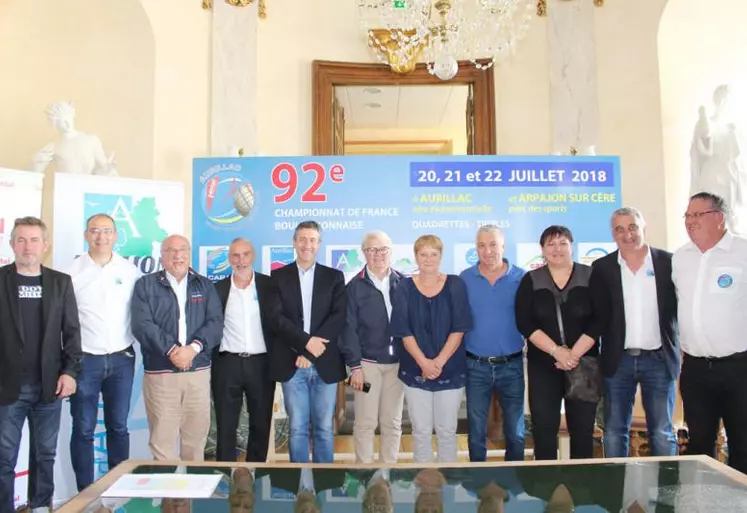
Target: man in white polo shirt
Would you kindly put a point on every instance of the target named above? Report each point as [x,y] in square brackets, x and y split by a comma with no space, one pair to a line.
[710,274]
[103,283]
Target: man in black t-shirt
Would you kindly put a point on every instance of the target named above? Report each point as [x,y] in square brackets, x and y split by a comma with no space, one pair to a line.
[40,356]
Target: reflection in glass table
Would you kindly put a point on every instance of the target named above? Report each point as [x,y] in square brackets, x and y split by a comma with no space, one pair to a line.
[681,484]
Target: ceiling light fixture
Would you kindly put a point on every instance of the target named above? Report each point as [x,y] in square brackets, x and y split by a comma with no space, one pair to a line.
[443,32]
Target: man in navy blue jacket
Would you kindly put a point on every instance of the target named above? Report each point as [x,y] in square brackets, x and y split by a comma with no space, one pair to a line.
[366,345]
[177,318]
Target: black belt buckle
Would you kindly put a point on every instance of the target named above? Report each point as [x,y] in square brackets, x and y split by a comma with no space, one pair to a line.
[635,351]
[494,360]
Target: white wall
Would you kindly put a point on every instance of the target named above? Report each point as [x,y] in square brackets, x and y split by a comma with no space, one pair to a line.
[98,55]
[702,44]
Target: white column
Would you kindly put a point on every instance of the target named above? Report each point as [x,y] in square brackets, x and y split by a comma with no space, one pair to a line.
[233,88]
[573,75]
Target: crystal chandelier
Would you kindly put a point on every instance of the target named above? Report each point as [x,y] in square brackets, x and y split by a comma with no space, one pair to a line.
[442,32]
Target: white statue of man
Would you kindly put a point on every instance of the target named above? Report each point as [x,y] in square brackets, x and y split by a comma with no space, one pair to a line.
[74,152]
[716,160]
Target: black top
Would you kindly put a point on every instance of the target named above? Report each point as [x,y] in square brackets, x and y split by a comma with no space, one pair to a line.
[536,310]
[30,308]
[328,312]
[59,352]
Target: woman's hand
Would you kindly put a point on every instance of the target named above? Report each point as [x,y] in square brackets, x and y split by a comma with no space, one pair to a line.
[431,369]
[564,358]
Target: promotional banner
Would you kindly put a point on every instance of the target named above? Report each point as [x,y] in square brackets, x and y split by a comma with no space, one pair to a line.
[264,198]
[145,212]
[20,196]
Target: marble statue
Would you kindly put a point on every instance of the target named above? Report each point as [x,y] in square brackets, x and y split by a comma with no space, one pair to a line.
[74,152]
[716,160]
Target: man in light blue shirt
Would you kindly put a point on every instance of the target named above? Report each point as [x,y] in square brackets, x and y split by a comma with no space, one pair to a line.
[494,347]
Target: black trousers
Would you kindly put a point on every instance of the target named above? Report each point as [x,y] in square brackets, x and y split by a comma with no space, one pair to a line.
[713,390]
[546,391]
[233,379]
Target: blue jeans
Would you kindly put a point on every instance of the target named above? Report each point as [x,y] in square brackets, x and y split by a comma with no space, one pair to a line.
[507,380]
[309,400]
[658,394]
[44,426]
[110,376]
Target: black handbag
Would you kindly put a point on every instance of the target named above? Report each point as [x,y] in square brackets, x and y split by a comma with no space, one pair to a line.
[583,382]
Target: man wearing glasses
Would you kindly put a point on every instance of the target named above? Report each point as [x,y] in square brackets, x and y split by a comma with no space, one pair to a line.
[368,351]
[710,274]
[103,283]
[178,319]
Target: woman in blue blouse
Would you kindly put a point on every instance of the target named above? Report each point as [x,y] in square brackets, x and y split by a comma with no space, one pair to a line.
[430,315]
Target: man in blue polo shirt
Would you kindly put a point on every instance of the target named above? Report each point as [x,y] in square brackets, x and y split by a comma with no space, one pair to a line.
[494,347]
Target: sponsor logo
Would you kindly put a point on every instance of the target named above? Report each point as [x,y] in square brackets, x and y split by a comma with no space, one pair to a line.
[214,262]
[275,257]
[348,259]
[590,251]
[139,233]
[403,260]
[465,256]
[725,281]
[529,256]
[225,197]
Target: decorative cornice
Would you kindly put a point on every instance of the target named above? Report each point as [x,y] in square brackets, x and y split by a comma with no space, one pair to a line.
[261,6]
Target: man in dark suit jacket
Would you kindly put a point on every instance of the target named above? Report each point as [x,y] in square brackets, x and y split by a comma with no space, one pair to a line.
[40,355]
[635,304]
[241,363]
[307,359]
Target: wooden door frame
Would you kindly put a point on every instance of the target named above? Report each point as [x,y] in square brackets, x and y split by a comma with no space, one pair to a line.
[326,75]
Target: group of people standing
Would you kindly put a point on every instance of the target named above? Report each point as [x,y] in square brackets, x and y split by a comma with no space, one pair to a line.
[422,340]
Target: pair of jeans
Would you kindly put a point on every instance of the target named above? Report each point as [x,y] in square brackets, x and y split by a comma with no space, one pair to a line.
[310,403]
[111,377]
[507,380]
[44,427]
[658,394]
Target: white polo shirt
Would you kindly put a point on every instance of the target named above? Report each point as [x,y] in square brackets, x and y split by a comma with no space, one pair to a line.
[242,325]
[712,297]
[641,305]
[104,294]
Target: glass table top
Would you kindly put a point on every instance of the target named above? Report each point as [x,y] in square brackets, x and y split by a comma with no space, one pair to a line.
[633,486]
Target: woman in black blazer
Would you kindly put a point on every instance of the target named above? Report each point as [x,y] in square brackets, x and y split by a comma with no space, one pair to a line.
[554,312]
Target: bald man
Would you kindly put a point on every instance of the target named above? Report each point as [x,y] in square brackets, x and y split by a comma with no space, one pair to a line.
[251,307]
[177,318]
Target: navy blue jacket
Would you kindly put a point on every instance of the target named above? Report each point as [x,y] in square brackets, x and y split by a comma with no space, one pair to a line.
[367,334]
[155,320]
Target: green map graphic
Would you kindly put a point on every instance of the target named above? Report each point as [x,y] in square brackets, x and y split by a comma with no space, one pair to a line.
[144,215]
[137,221]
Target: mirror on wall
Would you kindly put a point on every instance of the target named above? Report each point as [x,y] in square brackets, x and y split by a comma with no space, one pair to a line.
[367,109]
[402,119]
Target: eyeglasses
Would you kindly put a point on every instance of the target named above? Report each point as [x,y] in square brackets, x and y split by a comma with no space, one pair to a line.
[103,231]
[376,251]
[698,215]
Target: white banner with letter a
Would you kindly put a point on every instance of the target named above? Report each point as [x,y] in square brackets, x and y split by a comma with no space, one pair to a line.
[20,196]
[145,213]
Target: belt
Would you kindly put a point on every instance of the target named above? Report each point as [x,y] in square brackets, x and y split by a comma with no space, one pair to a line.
[634,351]
[243,355]
[728,358]
[493,360]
